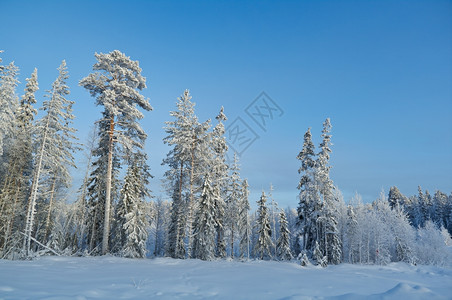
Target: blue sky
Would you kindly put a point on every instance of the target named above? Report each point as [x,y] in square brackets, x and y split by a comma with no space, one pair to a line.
[381,70]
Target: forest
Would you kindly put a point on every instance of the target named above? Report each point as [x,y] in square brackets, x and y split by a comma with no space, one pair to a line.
[209,215]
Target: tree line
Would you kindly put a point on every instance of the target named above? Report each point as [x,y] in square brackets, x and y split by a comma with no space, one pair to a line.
[208,212]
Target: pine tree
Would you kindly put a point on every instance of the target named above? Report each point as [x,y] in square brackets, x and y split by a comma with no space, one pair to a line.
[116,86]
[204,231]
[95,194]
[264,244]
[244,221]
[283,244]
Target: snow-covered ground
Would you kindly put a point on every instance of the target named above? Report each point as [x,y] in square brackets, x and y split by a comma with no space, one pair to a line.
[164,278]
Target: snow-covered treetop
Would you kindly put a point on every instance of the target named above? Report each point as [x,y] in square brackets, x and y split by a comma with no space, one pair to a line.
[307,153]
[221,116]
[326,142]
[116,83]
[26,111]
[116,86]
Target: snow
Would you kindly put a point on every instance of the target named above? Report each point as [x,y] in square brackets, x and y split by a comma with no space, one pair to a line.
[110,277]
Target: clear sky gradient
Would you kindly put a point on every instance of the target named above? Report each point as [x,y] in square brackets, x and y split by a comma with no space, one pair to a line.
[381,70]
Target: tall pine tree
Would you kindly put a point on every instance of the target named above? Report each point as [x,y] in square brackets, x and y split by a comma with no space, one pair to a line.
[116,84]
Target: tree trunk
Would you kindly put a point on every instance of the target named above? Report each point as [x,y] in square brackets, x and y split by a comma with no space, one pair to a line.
[191,204]
[11,217]
[106,232]
[232,239]
[49,212]
[34,193]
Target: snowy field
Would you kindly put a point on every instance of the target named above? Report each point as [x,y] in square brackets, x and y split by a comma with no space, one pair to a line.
[164,278]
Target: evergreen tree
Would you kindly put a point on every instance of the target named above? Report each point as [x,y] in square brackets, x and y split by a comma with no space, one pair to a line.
[244,221]
[351,243]
[232,203]
[310,205]
[264,244]
[116,85]
[204,231]
[318,255]
[187,163]
[95,194]
[395,197]
[329,238]
[55,137]
[333,243]
[131,215]
[78,214]
[220,178]
[19,165]
[55,145]
[322,163]
[283,244]
[8,103]
[159,225]
[273,219]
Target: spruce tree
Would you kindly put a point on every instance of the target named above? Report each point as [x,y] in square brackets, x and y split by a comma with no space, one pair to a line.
[318,255]
[310,205]
[55,144]
[204,230]
[395,197]
[264,244]
[131,215]
[283,244]
[232,204]
[220,178]
[187,161]
[8,103]
[244,221]
[116,84]
[273,219]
